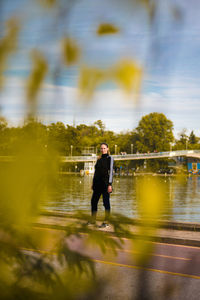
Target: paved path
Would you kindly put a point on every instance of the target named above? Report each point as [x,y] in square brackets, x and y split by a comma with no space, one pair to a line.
[172,271]
[175,251]
[180,233]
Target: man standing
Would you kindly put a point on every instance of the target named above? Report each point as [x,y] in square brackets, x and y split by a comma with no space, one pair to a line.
[102,184]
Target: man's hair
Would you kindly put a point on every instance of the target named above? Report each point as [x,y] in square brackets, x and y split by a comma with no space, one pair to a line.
[104,144]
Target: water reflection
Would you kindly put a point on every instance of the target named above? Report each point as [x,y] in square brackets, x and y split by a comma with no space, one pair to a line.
[182,197]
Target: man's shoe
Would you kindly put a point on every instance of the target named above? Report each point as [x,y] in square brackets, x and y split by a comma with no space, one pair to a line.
[89,223]
[104,225]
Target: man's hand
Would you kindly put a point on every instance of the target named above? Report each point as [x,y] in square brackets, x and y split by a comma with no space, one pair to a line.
[110,189]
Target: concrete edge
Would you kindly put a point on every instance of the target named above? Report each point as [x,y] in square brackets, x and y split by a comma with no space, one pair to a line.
[176,225]
[157,238]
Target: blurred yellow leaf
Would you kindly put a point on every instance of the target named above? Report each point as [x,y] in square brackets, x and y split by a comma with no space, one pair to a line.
[107,28]
[70,50]
[89,79]
[8,45]
[36,78]
[128,75]
[142,250]
[48,3]
[150,195]
[181,177]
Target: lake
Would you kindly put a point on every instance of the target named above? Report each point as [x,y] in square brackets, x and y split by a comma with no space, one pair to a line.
[182,197]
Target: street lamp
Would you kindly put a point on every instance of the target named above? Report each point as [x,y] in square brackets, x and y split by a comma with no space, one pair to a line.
[71,149]
[115,149]
[131,148]
[186,144]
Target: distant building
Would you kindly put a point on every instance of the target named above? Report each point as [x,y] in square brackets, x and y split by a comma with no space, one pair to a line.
[89,166]
[193,166]
[89,150]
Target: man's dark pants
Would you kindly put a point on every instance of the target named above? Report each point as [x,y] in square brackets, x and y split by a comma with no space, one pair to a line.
[95,199]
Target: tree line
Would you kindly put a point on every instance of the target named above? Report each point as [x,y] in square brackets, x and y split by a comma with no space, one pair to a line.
[154,133]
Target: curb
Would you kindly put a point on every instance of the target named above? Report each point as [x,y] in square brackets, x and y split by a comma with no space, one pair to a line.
[176,225]
[159,239]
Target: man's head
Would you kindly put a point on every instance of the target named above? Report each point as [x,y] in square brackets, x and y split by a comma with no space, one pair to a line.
[104,148]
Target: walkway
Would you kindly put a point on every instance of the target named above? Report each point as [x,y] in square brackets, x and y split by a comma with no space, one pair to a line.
[171,272]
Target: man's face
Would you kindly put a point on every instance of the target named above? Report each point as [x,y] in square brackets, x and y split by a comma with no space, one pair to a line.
[104,149]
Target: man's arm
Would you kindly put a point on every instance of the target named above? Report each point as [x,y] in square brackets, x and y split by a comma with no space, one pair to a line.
[110,175]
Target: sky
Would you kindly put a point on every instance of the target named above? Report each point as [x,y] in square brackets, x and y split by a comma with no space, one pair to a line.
[167,48]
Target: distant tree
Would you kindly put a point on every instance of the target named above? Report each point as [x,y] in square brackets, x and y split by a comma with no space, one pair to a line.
[101,126]
[123,141]
[111,139]
[134,140]
[192,138]
[3,123]
[154,133]
[4,137]
[57,137]
[182,142]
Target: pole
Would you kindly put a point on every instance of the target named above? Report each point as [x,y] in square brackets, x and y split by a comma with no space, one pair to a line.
[71,149]
[115,149]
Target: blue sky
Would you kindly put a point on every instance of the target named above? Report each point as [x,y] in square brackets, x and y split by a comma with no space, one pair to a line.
[168,49]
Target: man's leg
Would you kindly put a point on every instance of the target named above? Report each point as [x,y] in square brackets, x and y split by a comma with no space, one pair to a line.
[94,203]
[106,203]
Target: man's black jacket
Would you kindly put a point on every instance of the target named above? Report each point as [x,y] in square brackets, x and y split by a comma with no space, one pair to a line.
[103,175]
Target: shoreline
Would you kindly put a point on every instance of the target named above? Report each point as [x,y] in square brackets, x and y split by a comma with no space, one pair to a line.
[167,224]
[131,174]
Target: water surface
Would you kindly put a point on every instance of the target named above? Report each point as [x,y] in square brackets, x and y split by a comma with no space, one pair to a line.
[181,198]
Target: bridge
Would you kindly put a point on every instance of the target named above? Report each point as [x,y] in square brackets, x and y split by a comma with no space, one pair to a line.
[138,156]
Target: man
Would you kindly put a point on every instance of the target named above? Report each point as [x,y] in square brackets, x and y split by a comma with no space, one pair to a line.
[102,184]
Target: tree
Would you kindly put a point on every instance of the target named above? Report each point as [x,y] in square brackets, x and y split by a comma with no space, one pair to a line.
[154,133]
[182,142]
[101,126]
[57,137]
[192,138]
[3,136]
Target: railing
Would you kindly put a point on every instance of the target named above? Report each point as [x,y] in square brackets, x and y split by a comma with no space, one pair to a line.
[92,158]
[168,154]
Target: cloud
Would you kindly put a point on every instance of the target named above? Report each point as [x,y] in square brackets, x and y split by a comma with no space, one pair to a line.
[178,100]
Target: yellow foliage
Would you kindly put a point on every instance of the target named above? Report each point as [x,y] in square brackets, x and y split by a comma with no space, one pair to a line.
[128,75]
[107,28]
[89,79]
[8,45]
[22,185]
[181,177]
[36,77]
[142,251]
[150,199]
[48,3]
[70,50]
